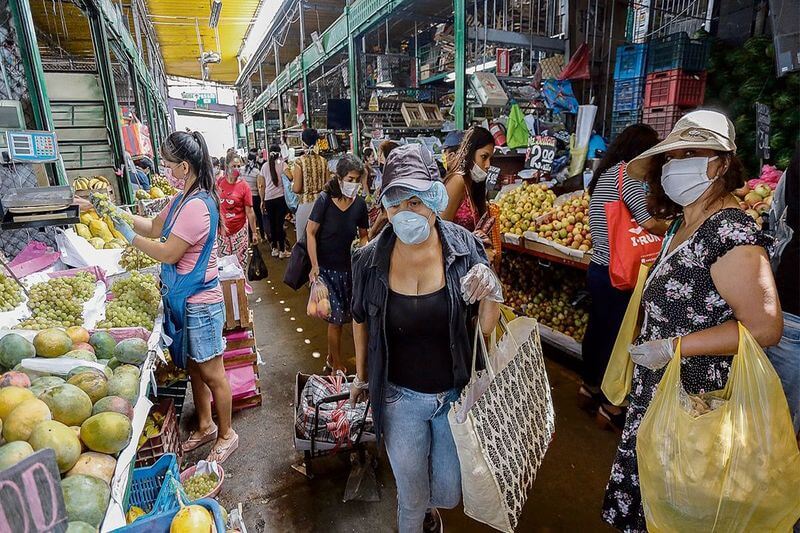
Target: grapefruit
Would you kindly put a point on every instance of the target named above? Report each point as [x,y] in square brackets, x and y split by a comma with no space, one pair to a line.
[106,432]
[68,404]
[22,420]
[55,435]
[52,342]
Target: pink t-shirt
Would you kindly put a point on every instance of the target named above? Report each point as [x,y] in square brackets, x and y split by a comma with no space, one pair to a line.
[192,226]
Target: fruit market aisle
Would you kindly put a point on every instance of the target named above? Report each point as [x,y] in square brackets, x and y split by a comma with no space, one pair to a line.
[276,498]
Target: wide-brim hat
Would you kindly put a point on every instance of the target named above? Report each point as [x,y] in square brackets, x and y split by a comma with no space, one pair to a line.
[704,129]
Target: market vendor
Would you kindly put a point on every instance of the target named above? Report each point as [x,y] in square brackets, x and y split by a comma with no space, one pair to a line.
[236,207]
[183,238]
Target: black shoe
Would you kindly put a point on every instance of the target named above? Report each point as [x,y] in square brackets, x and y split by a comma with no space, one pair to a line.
[433,522]
[612,422]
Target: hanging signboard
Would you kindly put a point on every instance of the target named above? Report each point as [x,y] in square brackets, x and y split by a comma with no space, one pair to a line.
[541,153]
[503,57]
[763,120]
[30,495]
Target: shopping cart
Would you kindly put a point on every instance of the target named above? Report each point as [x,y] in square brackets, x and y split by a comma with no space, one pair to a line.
[313,447]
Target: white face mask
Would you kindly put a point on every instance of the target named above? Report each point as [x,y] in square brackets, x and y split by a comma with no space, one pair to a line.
[350,188]
[477,174]
[685,180]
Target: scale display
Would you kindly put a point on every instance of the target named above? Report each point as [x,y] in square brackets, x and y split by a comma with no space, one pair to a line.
[32,146]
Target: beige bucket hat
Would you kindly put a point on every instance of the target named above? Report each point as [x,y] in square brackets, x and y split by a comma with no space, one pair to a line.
[699,129]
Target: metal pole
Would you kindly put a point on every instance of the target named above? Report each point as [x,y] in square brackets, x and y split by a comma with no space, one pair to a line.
[110,102]
[34,75]
[352,75]
[275,46]
[302,62]
[460,30]
[152,126]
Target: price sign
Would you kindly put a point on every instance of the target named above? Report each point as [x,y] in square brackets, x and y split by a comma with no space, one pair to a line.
[541,152]
[30,495]
[763,120]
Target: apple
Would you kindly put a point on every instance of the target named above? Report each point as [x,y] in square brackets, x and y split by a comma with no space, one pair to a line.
[761,208]
[741,192]
[763,190]
[752,198]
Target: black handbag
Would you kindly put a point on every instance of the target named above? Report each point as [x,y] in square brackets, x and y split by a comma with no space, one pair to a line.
[257,270]
[298,268]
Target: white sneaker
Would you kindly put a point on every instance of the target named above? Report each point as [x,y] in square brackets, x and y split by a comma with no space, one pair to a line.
[285,255]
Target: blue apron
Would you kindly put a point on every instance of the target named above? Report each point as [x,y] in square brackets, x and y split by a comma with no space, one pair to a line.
[177,288]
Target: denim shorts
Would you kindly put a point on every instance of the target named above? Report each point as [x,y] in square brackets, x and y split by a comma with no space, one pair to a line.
[204,331]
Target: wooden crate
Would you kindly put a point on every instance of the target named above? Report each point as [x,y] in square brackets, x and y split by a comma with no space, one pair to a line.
[236,306]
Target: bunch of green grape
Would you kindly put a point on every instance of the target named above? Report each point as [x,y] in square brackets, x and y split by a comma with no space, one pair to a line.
[58,302]
[133,258]
[10,293]
[106,207]
[198,486]
[135,302]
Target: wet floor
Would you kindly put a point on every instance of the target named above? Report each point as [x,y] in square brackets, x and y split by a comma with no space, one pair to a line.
[275,497]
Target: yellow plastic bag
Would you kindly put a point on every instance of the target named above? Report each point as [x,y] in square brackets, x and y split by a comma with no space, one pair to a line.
[735,468]
[617,379]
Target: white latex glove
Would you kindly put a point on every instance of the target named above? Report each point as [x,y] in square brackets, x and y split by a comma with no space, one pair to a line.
[481,283]
[653,354]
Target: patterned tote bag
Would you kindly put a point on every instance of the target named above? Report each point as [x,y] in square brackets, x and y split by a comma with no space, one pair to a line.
[503,424]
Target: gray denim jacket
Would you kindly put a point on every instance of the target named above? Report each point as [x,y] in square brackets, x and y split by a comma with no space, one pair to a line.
[461,251]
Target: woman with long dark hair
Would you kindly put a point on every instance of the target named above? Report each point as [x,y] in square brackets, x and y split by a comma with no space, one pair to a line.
[466,180]
[608,304]
[236,203]
[183,238]
[339,216]
[270,188]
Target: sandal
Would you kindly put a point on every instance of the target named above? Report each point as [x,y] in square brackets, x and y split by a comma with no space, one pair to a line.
[589,401]
[196,440]
[221,453]
[609,421]
[328,369]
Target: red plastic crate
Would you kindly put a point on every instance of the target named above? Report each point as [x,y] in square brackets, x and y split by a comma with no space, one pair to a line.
[168,439]
[674,88]
[662,118]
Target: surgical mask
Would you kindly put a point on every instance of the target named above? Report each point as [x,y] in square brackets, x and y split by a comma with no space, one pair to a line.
[349,188]
[410,227]
[685,180]
[477,174]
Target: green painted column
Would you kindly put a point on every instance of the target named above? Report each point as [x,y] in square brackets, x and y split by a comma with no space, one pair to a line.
[352,76]
[34,76]
[152,125]
[460,30]
[110,102]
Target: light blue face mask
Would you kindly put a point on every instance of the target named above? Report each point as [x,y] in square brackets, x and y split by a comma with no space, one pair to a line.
[410,227]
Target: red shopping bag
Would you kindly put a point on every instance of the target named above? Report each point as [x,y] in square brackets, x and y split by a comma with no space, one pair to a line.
[629,244]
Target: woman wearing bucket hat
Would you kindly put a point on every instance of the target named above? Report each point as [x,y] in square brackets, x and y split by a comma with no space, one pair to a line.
[713,270]
[416,290]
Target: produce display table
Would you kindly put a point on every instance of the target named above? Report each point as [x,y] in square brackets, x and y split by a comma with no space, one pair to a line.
[543,251]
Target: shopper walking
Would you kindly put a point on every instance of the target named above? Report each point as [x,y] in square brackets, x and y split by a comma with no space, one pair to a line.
[608,304]
[713,271]
[309,176]
[183,238]
[250,173]
[466,180]
[452,141]
[270,187]
[338,217]
[236,204]
[414,290]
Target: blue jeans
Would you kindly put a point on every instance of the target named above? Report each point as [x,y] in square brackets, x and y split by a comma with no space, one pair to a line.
[422,453]
[785,357]
[204,331]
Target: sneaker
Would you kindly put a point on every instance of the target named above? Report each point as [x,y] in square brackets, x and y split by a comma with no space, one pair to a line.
[275,252]
[285,255]
[433,522]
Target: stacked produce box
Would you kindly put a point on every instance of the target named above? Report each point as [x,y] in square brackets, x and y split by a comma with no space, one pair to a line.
[629,72]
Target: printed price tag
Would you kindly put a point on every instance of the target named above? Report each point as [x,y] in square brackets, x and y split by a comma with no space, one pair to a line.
[491,177]
[763,120]
[541,153]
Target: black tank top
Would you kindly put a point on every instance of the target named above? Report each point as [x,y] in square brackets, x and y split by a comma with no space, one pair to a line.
[418,337]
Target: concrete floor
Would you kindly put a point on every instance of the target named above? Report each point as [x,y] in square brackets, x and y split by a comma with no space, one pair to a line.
[567,494]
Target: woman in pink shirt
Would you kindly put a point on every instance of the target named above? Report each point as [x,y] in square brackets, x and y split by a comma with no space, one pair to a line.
[236,209]
[183,238]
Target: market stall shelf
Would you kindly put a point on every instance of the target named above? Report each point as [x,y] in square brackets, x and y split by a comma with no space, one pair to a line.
[544,251]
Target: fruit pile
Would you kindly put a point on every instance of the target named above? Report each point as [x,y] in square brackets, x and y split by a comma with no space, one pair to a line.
[568,224]
[59,301]
[163,185]
[756,201]
[105,208]
[10,293]
[135,259]
[152,427]
[84,417]
[135,302]
[200,485]
[546,294]
[520,207]
[154,193]
[168,374]
[95,183]
[100,232]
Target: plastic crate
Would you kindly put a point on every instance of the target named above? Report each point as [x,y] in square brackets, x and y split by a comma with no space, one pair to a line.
[168,440]
[678,51]
[630,62]
[663,118]
[675,87]
[160,523]
[622,119]
[628,94]
[148,490]
[176,391]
